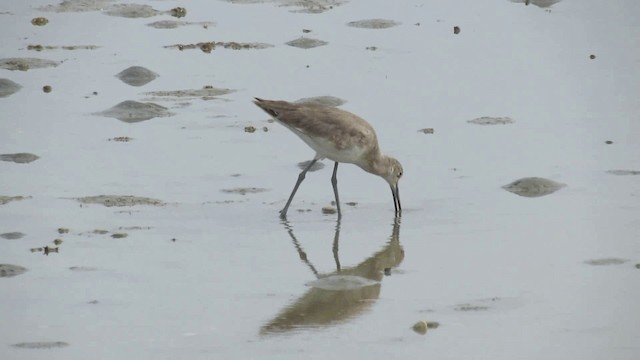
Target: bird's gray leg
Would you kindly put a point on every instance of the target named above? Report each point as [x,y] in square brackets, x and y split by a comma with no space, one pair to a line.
[283,212]
[334,182]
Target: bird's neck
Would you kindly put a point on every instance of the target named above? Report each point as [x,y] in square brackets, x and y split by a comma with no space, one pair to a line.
[378,164]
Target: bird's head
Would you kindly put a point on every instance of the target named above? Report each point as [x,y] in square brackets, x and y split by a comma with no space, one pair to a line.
[392,174]
[392,170]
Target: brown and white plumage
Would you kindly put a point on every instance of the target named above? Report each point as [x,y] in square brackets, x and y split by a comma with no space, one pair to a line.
[337,135]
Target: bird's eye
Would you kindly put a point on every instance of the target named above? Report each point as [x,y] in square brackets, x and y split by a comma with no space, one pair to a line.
[400,174]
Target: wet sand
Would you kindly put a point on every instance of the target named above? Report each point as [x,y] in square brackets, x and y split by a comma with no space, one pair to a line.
[140,188]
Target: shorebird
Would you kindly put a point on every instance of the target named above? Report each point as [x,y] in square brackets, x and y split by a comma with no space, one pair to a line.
[337,135]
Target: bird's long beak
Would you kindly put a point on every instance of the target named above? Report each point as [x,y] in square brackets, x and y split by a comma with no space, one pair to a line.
[395,191]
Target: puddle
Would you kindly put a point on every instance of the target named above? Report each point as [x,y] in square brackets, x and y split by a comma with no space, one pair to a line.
[606,261]
[533,187]
[487,120]
[244,191]
[24,64]
[41,345]
[373,24]
[12,235]
[20,158]
[8,87]
[136,76]
[131,111]
[7,199]
[172,24]
[120,200]
[8,270]
[306,43]
[623,172]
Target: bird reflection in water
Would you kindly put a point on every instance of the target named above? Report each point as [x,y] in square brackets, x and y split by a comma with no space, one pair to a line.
[357,287]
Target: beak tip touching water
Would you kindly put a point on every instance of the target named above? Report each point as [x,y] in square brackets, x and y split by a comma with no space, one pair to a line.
[395,191]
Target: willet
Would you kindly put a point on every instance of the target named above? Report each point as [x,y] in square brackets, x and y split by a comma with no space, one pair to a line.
[337,135]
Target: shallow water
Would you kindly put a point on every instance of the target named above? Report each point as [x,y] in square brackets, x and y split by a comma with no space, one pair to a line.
[190,258]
